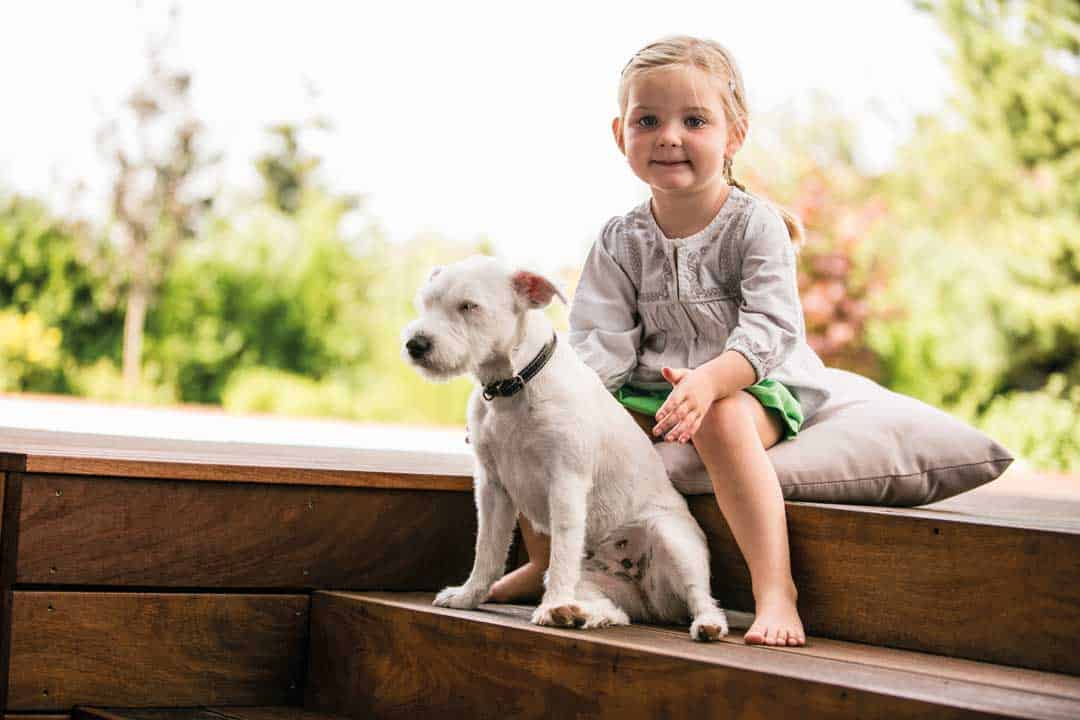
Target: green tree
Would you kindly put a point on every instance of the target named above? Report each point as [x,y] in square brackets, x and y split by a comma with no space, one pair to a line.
[986,227]
[263,288]
[155,203]
[58,270]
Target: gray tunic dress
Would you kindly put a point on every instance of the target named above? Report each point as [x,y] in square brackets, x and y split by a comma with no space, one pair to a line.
[645,301]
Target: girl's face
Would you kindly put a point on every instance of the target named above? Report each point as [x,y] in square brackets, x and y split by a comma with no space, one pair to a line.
[675,134]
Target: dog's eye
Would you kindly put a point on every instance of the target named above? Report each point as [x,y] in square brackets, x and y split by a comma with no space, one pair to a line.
[467,307]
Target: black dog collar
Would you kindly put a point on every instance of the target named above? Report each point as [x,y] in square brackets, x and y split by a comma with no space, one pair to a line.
[512,386]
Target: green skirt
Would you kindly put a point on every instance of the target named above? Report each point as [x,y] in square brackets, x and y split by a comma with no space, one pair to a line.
[773,395]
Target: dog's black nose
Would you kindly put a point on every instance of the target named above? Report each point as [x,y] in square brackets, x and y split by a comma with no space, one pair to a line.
[418,346]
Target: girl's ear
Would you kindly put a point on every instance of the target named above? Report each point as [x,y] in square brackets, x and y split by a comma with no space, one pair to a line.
[533,290]
[616,129]
[736,136]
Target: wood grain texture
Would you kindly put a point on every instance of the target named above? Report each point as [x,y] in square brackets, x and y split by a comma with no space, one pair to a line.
[9,548]
[153,649]
[40,451]
[911,580]
[396,656]
[208,713]
[274,713]
[168,533]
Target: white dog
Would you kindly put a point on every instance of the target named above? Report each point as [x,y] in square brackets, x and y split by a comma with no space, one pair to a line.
[553,444]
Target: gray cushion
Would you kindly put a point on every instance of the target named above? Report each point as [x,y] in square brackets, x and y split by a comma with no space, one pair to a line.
[867,445]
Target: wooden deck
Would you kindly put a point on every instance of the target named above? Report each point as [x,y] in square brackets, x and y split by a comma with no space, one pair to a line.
[154,574]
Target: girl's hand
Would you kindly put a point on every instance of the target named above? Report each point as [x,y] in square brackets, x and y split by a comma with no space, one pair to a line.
[681,414]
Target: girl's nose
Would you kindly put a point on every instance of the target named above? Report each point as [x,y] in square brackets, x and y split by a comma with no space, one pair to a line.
[669,136]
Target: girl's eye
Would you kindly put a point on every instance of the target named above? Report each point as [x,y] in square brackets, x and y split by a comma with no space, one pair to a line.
[695,122]
[467,307]
[647,120]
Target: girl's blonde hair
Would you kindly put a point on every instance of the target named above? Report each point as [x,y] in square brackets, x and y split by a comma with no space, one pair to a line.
[713,58]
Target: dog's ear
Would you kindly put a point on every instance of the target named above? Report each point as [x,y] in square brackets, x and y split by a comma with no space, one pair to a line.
[434,271]
[533,290]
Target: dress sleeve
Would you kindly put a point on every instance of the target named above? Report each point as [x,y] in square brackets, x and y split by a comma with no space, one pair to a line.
[605,329]
[770,315]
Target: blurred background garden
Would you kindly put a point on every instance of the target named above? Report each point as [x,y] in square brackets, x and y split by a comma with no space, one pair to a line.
[950,272]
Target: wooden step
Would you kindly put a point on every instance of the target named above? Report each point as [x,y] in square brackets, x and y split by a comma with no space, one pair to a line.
[948,581]
[999,589]
[164,649]
[394,655]
[89,530]
[984,581]
[201,713]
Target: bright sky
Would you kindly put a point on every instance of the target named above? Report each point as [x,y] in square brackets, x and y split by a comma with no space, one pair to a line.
[464,118]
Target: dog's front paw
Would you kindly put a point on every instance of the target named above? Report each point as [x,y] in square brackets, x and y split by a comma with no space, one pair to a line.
[568,614]
[709,626]
[462,597]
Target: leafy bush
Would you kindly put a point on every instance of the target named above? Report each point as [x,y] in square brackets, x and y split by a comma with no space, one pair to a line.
[263,289]
[1040,426]
[30,357]
[57,270]
[263,390]
[103,380]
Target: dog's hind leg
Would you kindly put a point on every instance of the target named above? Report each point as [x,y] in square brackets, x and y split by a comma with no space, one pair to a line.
[599,603]
[686,572]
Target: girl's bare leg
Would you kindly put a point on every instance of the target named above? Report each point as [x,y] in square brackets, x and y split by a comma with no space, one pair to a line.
[527,582]
[732,441]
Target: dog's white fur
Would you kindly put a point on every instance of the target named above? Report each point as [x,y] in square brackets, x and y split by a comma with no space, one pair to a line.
[565,454]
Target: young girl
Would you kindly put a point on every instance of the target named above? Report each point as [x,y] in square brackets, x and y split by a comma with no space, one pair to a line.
[688,309]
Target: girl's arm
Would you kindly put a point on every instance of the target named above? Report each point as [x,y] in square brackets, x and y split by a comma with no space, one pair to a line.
[770,321]
[605,329]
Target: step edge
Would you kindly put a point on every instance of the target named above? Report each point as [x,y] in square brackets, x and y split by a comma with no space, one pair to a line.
[820,675]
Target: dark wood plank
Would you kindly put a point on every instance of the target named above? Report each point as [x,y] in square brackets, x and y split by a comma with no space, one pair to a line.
[93,713]
[917,581]
[153,649]
[40,451]
[169,533]
[35,716]
[396,656]
[274,713]
[212,713]
[9,548]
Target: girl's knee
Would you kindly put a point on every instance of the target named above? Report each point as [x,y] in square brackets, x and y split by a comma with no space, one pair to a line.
[723,417]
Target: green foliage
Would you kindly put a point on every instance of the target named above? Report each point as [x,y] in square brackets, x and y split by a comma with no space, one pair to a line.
[56,270]
[262,390]
[1040,426]
[943,344]
[985,226]
[30,357]
[103,380]
[262,289]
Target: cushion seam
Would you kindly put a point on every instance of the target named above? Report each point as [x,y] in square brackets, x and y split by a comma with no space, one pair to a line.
[894,476]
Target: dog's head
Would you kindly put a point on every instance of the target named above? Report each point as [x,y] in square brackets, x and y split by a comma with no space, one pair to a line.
[471,311]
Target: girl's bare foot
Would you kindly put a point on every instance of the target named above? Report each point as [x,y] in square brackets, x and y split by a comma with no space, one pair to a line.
[776,620]
[526,583]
